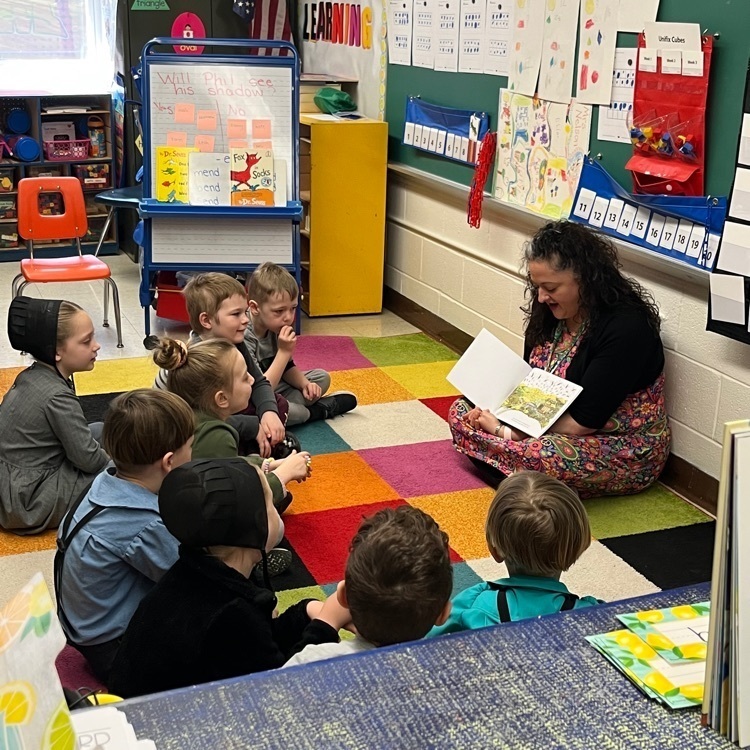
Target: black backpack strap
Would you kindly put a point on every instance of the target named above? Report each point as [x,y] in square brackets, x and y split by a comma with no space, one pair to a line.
[502,601]
[569,603]
[63,542]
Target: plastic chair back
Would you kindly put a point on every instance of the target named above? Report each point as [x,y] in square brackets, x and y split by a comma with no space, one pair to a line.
[35,226]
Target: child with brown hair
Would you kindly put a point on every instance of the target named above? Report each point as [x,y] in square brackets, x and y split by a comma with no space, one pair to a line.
[47,451]
[212,377]
[397,584]
[217,308]
[271,340]
[112,544]
[206,619]
[539,528]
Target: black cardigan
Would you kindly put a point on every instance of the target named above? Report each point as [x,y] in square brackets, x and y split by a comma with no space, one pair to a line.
[204,621]
[620,355]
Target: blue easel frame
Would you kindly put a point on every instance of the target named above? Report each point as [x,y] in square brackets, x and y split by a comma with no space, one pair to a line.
[150,208]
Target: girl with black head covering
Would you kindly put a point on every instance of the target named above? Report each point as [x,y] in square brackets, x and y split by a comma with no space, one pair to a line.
[47,452]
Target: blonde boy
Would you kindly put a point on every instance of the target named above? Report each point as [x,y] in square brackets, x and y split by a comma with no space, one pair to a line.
[217,308]
[538,527]
[271,339]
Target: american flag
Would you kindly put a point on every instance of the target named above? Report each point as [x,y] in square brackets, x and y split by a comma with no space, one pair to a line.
[271,21]
[244,9]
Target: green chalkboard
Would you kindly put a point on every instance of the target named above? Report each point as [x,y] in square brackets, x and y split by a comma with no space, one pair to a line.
[729,18]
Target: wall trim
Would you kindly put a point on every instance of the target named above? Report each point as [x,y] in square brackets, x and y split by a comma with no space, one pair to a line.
[694,485]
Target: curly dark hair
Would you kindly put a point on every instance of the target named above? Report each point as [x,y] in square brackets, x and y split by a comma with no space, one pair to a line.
[594,262]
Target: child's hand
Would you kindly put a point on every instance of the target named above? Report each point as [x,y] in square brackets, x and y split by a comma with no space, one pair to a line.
[313,609]
[273,429]
[296,466]
[264,446]
[333,613]
[287,340]
[312,391]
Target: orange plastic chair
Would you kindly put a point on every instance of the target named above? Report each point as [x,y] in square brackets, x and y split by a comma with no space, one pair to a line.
[36,227]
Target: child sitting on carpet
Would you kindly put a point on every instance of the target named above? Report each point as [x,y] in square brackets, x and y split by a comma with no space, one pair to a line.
[397,584]
[539,528]
[113,545]
[206,620]
[47,451]
[271,340]
[212,377]
[217,307]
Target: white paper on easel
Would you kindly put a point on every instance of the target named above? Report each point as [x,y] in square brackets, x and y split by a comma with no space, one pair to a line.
[446,36]
[526,46]
[472,37]
[208,179]
[597,37]
[488,371]
[423,34]
[635,14]
[613,120]
[558,51]
[280,196]
[498,33]
[399,31]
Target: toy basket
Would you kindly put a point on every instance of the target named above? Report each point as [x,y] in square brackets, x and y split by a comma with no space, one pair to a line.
[67,150]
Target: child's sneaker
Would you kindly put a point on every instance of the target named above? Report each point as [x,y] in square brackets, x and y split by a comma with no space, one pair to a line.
[279,560]
[286,446]
[332,405]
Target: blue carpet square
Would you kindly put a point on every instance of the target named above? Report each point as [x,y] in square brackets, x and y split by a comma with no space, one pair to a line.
[318,437]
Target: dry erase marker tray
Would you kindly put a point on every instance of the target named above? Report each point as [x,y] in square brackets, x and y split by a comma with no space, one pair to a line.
[151,207]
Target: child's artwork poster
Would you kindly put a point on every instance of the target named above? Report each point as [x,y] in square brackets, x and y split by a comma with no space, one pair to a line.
[208,183]
[526,45]
[558,50]
[597,38]
[540,150]
[251,177]
[171,174]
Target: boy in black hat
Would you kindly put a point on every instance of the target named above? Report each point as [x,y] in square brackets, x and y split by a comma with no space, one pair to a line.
[205,620]
[47,452]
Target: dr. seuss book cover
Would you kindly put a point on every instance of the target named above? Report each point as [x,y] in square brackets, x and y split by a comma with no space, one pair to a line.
[172,174]
[492,376]
[252,177]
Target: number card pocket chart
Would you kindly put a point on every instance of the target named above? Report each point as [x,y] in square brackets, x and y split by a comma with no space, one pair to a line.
[684,228]
[444,131]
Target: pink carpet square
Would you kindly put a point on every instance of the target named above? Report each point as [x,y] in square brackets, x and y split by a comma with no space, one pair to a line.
[423,468]
[328,353]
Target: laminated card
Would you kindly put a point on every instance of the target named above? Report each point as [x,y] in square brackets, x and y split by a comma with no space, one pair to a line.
[494,377]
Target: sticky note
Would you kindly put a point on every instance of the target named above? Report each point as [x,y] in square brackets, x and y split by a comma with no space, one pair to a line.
[261,129]
[238,144]
[236,128]
[207,119]
[184,113]
[205,143]
[177,139]
[263,144]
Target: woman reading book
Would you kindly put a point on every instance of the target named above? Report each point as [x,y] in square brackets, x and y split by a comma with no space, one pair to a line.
[591,325]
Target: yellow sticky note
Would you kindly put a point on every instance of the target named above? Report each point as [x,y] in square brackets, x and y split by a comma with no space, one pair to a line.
[236,128]
[204,143]
[206,119]
[176,139]
[184,113]
[261,130]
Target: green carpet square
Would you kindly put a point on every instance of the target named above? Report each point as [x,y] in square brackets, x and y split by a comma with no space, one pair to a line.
[289,597]
[652,510]
[412,348]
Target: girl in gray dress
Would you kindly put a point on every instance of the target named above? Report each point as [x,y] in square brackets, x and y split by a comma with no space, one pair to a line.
[47,452]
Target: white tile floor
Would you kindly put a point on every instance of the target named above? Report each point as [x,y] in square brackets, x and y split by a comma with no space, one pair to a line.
[90,295]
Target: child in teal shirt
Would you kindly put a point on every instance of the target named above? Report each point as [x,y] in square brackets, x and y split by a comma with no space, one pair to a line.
[539,528]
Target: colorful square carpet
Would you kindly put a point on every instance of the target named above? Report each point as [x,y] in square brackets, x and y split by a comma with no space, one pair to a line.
[395,448]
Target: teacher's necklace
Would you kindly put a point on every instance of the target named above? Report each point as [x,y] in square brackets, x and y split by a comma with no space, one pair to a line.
[558,354]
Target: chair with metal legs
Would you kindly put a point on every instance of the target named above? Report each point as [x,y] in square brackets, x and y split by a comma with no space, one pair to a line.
[72,224]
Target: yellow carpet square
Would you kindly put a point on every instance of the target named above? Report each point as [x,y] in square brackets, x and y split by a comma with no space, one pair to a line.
[7,377]
[12,544]
[461,515]
[290,597]
[370,385]
[424,381]
[339,480]
[113,375]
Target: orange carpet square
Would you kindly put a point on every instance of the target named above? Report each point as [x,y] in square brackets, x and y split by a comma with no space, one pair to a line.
[461,515]
[13,544]
[371,386]
[7,376]
[339,480]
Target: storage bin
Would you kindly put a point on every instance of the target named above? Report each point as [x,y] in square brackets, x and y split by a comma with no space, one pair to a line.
[8,208]
[92,175]
[67,150]
[7,179]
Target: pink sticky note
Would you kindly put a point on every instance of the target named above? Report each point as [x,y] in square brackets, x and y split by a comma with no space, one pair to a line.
[236,128]
[204,143]
[261,129]
[206,119]
[263,144]
[177,139]
[184,113]
[238,144]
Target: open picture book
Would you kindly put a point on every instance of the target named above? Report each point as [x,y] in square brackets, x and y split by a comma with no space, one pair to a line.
[492,376]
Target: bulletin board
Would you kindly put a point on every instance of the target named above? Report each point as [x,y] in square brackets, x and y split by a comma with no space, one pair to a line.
[729,18]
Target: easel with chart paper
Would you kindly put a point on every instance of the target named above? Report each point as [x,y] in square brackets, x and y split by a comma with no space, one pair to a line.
[221,161]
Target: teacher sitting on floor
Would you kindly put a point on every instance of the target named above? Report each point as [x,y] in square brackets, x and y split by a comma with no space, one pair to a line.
[591,325]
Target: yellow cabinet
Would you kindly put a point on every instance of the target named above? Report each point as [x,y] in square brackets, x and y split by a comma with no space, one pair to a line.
[343,167]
